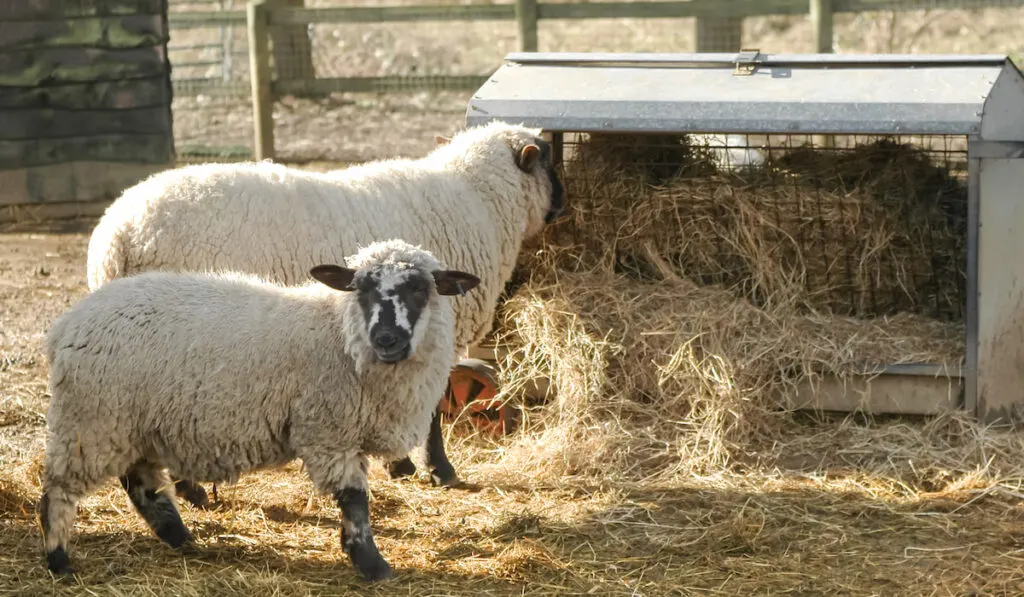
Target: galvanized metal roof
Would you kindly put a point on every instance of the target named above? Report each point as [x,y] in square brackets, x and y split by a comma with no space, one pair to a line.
[783,93]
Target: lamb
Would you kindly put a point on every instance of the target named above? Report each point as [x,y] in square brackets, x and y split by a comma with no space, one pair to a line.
[210,375]
[472,201]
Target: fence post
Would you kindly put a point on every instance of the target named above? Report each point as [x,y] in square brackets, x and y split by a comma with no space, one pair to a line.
[526,16]
[821,20]
[257,16]
[293,51]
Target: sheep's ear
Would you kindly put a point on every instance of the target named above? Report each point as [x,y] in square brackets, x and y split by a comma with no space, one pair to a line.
[451,282]
[442,140]
[335,276]
[528,157]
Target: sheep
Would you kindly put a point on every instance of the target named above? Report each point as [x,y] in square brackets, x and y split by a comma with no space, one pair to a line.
[472,201]
[213,374]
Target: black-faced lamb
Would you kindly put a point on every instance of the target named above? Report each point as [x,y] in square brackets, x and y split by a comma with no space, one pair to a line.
[471,202]
[211,375]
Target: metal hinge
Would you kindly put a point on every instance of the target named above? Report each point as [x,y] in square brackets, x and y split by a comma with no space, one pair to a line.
[746,62]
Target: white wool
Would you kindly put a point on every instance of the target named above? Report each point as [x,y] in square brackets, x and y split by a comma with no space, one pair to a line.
[467,202]
[212,375]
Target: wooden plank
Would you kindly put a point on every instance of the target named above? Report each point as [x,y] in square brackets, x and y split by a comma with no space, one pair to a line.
[382,84]
[670,9]
[821,21]
[260,79]
[383,14]
[1000,292]
[565,10]
[142,149]
[905,5]
[202,19]
[32,10]
[43,215]
[293,51]
[882,394]
[210,87]
[24,68]
[46,123]
[132,31]
[131,93]
[526,17]
[81,181]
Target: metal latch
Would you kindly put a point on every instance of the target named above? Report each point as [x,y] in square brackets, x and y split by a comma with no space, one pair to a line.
[746,62]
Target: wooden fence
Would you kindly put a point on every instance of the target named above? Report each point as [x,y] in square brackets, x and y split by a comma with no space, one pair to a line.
[718,27]
[85,104]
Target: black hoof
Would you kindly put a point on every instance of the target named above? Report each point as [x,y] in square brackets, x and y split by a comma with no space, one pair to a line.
[444,476]
[401,468]
[367,560]
[58,562]
[176,535]
[193,493]
[375,571]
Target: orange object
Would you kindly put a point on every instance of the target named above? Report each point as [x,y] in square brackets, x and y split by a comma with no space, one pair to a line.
[472,388]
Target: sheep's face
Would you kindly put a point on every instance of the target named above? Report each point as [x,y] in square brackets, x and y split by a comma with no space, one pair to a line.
[534,157]
[396,301]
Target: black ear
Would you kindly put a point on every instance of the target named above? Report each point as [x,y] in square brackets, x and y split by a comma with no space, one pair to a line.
[335,276]
[451,282]
[527,157]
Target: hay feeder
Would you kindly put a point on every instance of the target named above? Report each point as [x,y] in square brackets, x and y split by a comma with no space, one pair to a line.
[786,113]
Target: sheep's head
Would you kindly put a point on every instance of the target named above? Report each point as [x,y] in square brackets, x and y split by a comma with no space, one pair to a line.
[534,159]
[396,285]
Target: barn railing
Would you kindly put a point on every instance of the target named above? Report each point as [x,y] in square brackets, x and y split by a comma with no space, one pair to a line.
[276,30]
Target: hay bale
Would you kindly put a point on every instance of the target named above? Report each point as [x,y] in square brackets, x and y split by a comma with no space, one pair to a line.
[672,375]
[830,237]
[674,318]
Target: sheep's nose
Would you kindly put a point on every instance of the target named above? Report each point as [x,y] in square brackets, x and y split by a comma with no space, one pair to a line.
[386,339]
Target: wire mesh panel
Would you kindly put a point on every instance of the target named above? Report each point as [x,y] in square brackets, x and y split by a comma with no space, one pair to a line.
[857,226]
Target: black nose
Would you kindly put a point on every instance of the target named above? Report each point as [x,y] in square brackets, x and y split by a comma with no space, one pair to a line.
[386,339]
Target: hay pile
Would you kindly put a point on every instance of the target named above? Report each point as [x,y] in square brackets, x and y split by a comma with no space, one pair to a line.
[678,304]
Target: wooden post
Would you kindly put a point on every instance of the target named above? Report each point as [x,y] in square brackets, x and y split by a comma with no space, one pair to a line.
[719,34]
[257,13]
[821,20]
[526,16]
[293,51]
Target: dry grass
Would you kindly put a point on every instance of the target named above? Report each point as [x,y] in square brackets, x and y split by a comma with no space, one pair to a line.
[821,507]
[656,373]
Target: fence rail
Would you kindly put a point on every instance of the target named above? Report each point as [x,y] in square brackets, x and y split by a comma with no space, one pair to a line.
[268,20]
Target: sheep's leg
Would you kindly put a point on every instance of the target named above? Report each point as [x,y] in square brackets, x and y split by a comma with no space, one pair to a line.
[441,470]
[401,468]
[57,509]
[356,536]
[192,492]
[150,489]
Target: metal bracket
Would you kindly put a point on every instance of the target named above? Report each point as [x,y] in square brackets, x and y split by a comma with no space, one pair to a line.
[746,62]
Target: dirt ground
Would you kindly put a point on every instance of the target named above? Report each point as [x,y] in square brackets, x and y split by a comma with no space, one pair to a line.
[847,522]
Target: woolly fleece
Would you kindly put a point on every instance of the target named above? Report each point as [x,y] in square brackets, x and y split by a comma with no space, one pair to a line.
[213,375]
[467,202]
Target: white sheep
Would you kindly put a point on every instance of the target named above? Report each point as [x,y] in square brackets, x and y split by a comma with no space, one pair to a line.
[471,202]
[211,375]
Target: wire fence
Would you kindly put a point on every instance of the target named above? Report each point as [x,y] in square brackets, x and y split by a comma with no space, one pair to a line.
[209,56]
